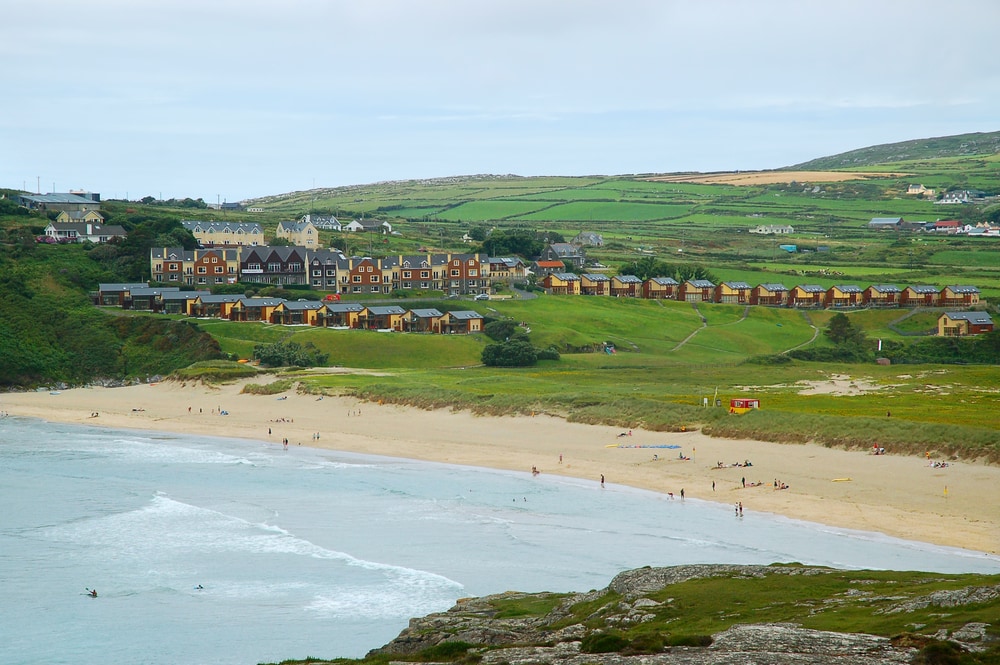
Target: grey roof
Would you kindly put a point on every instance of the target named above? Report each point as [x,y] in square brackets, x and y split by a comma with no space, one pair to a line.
[219,227]
[221,298]
[978,318]
[664,281]
[701,283]
[344,307]
[96,228]
[628,279]
[79,214]
[465,314]
[847,288]
[567,276]
[596,277]
[386,310]
[885,288]
[425,313]
[507,261]
[738,285]
[154,291]
[184,295]
[811,288]
[773,287]
[885,221]
[113,287]
[303,304]
[293,227]
[923,288]
[262,302]
[962,289]
[58,198]
[265,253]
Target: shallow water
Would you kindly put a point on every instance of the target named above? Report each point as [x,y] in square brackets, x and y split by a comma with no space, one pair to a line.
[309,552]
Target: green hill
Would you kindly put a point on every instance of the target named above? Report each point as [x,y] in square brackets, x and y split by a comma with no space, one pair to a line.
[978,143]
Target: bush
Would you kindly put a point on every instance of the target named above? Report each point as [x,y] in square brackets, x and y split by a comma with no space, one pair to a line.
[548,354]
[516,353]
[286,354]
[603,643]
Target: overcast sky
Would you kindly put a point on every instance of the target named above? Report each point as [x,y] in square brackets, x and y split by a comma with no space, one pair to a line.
[234,99]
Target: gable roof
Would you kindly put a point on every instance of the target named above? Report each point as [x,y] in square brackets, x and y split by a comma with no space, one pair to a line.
[119,287]
[700,283]
[977,318]
[962,289]
[386,310]
[811,288]
[885,288]
[738,286]
[664,281]
[923,288]
[847,288]
[425,313]
[465,314]
[628,279]
[596,277]
[773,288]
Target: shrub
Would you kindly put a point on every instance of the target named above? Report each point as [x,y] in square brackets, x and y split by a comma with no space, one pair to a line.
[603,643]
[516,353]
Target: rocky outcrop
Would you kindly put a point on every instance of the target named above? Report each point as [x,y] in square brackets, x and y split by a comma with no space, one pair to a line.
[556,638]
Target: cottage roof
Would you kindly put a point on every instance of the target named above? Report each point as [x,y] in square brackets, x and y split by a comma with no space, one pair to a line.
[549,264]
[566,276]
[738,286]
[885,288]
[120,287]
[215,298]
[79,214]
[58,198]
[596,277]
[425,313]
[386,310]
[510,262]
[198,226]
[344,307]
[303,305]
[183,295]
[963,289]
[465,315]
[664,281]
[977,318]
[628,279]
[262,302]
[923,288]
[847,288]
[774,288]
[701,283]
[885,221]
[294,227]
[811,288]
[154,291]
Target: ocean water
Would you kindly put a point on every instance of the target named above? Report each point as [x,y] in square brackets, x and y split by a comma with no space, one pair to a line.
[309,552]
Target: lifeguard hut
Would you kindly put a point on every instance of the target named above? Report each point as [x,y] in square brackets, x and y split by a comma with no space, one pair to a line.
[742,405]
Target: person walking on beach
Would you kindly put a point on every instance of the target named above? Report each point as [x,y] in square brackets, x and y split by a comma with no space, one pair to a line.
[744,481]
[602,480]
[682,492]
[713,485]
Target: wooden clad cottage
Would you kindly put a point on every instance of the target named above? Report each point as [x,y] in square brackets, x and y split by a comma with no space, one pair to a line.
[775,295]
[626,286]
[217,306]
[423,320]
[881,295]
[920,296]
[297,312]
[116,294]
[733,293]
[561,284]
[254,309]
[388,317]
[593,284]
[461,322]
[843,295]
[807,295]
[148,299]
[959,324]
[182,302]
[342,315]
[959,296]
[696,290]
[660,288]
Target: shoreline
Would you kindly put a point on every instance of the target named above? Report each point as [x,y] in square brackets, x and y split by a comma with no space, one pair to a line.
[900,496]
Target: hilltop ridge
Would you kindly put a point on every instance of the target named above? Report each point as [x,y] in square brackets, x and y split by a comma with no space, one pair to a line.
[977,143]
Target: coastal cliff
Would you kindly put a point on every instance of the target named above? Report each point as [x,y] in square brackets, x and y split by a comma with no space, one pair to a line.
[650,616]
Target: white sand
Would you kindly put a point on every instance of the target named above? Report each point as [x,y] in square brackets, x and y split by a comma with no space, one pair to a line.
[896,495]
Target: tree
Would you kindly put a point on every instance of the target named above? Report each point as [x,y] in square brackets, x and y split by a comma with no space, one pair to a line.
[841,331]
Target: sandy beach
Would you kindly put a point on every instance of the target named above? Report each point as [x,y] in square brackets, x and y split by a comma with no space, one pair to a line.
[901,496]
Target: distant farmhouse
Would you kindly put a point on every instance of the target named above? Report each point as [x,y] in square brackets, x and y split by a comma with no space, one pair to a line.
[772,229]
[563,251]
[589,239]
[920,190]
[367,226]
[78,202]
[324,222]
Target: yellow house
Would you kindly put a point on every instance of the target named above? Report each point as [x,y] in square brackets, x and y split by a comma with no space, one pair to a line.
[562,283]
[225,234]
[959,324]
[298,312]
[300,234]
[91,216]
[960,296]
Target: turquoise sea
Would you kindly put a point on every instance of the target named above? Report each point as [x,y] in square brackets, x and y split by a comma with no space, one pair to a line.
[219,551]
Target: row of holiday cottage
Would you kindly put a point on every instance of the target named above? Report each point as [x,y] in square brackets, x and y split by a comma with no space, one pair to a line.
[330,314]
[776,295]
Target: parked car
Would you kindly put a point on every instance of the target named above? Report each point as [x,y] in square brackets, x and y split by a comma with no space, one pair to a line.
[482,296]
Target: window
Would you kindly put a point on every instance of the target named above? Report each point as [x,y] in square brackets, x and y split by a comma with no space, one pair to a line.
[424,274]
[218,270]
[215,259]
[357,289]
[407,285]
[274,267]
[172,278]
[202,270]
[454,273]
[423,285]
[375,288]
[385,279]
[201,280]
[357,279]
[253,266]
[473,272]
[173,267]
[373,278]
